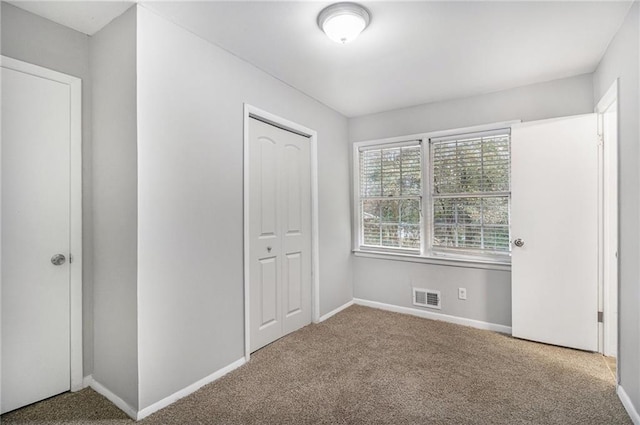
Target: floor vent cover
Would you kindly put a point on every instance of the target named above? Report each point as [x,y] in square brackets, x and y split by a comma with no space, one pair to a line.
[426,298]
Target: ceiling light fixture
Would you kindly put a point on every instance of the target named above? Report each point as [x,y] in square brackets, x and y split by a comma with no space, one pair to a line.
[343,22]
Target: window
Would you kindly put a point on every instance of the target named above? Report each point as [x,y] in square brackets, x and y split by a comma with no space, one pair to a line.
[445,196]
[390,195]
[470,193]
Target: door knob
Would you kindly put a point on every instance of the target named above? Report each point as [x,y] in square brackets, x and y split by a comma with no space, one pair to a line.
[268,249]
[58,260]
[519,243]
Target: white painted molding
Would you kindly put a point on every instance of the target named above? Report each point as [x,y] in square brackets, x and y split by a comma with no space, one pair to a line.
[610,96]
[628,405]
[188,390]
[134,414]
[335,311]
[86,381]
[435,316]
[245,232]
[440,261]
[104,391]
[608,226]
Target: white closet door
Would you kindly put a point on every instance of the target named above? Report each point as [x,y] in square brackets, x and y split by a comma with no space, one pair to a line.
[35,227]
[280,233]
[554,213]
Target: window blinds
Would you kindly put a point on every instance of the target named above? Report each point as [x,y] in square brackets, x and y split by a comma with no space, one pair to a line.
[471,191]
[390,194]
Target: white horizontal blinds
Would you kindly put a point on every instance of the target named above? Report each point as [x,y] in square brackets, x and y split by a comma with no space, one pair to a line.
[390,194]
[471,192]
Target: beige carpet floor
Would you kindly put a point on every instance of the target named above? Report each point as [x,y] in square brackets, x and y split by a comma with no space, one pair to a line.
[366,366]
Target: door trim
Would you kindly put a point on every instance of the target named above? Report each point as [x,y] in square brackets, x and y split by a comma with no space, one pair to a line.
[75,207]
[608,222]
[251,111]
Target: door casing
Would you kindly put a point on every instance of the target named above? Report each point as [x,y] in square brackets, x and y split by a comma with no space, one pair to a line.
[254,112]
[608,279]
[75,219]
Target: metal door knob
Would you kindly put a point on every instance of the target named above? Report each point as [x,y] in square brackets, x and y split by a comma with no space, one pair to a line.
[58,260]
[518,242]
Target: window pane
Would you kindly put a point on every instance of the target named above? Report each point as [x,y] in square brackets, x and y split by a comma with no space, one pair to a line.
[370,173]
[409,230]
[469,166]
[371,211]
[444,236]
[473,223]
[411,171]
[457,210]
[391,172]
[497,238]
[371,223]
[391,223]
[410,211]
[496,223]
[496,163]
[472,165]
[371,234]
[445,167]
[469,171]
[390,211]
[469,237]
[496,210]
[390,237]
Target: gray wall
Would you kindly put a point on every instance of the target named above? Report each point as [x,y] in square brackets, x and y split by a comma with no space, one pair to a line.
[488,291]
[113,64]
[32,39]
[621,61]
[190,127]
[569,96]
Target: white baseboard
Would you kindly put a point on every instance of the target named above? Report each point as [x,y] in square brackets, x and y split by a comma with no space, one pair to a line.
[88,381]
[336,311]
[435,316]
[188,390]
[628,405]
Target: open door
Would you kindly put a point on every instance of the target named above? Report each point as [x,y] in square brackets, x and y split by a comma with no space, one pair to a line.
[554,216]
[41,306]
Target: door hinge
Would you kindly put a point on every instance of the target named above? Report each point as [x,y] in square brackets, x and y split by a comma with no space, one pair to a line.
[70,258]
[600,317]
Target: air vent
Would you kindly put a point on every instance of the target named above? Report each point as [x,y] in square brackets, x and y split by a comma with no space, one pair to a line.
[426,298]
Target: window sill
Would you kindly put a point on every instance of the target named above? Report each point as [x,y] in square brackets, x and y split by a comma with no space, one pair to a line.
[441,261]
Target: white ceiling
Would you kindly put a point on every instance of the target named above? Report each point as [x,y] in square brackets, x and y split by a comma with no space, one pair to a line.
[88,17]
[412,53]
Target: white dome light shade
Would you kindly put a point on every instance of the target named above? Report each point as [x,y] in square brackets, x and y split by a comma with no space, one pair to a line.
[343,28]
[343,22]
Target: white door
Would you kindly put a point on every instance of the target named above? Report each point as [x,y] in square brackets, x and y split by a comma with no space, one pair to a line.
[35,227]
[279,232]
[554,212]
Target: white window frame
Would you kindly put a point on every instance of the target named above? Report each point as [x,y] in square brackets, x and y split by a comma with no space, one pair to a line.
[497,261]
[403,143]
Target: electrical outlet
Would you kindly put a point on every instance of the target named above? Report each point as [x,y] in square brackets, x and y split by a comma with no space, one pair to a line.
[462,293]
